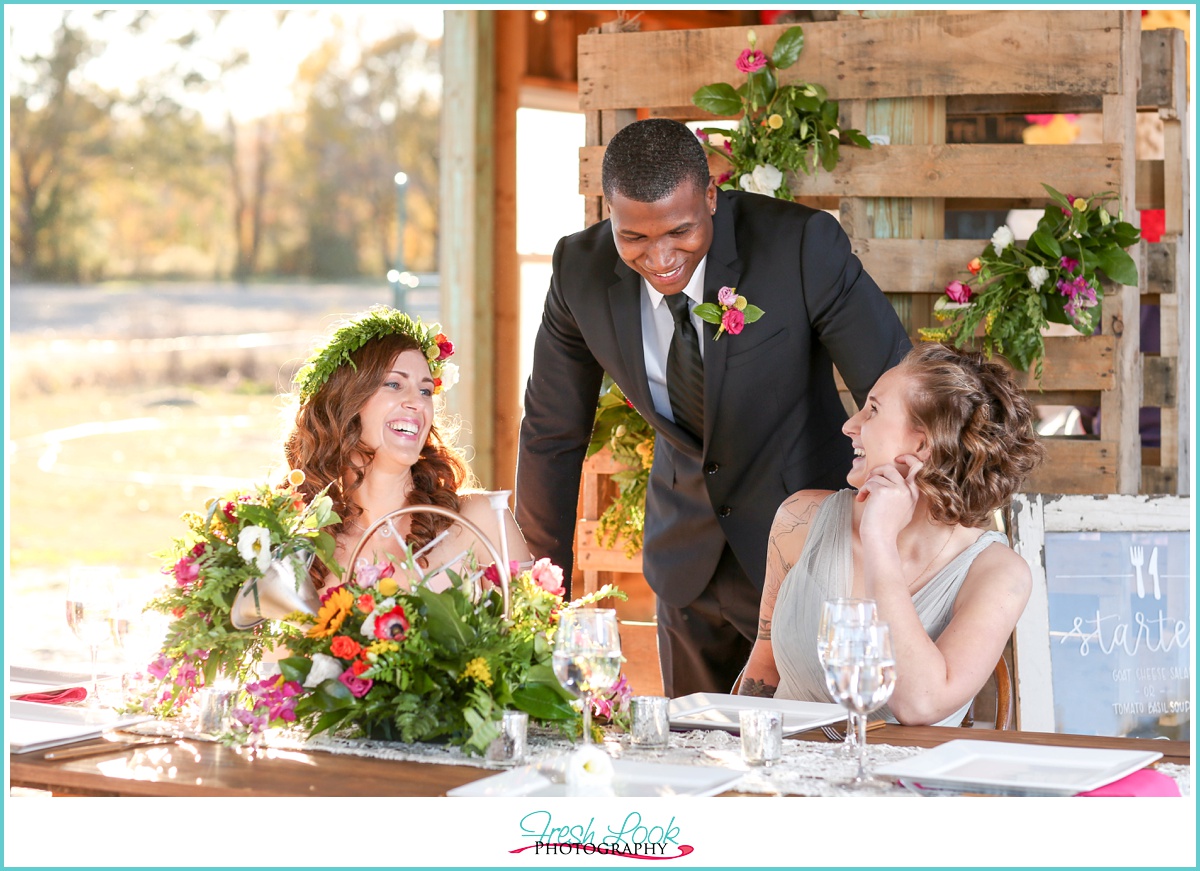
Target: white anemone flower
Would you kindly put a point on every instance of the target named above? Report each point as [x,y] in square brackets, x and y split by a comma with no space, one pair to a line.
[254,546]
[1002,238]
[368,626]
[323,668]
[589,772]
[1037,276]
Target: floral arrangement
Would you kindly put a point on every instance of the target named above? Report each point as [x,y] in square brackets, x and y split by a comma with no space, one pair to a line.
[1014,293]
[782,128]
[377,322]
[731,313]
[619,427]
[231,543]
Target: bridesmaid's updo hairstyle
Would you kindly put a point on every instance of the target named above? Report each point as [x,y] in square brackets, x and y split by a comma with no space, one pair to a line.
[979,429]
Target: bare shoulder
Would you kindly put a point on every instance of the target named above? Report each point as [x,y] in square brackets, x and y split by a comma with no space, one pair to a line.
[1000,570]
[476,505]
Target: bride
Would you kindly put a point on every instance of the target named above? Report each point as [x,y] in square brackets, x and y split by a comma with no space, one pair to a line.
[369,428]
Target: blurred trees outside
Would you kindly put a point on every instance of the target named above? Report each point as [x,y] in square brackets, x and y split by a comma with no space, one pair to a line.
[138,183]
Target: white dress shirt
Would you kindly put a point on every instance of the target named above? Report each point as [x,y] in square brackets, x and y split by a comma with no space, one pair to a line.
[658,327]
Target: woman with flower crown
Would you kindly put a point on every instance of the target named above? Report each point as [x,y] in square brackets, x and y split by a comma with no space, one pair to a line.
[368,428]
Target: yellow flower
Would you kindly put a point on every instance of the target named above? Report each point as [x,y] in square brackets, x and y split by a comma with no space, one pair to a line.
[295,477]
[991,319]
[387,587]
[740,303]
[381,646]
[1080,204]
[332,613]
[775,121]
[478,670]
[433,352]
[645,450]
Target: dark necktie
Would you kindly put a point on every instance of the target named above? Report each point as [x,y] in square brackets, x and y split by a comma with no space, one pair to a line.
[685,370]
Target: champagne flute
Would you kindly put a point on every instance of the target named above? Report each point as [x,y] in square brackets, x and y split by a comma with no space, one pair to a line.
[860,672]
[854,612]
[91,612]
[587,655]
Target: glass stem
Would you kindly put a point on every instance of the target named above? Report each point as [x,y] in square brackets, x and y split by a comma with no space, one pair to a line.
[95,650]
[851,729]
[587,718]
[862,748]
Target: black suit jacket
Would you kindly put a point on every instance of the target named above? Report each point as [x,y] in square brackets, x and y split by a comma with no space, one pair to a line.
[772,416]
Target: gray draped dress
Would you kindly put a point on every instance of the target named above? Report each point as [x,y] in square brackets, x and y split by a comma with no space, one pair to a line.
[825,571]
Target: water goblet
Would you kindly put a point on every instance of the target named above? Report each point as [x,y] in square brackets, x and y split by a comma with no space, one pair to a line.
[587,655]
[91,612]
[853,612]
[860,672]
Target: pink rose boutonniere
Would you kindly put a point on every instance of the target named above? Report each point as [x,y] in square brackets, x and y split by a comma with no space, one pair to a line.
[731,314]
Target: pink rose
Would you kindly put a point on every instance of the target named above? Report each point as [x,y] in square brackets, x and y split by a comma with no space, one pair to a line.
[751,60]
[733,321]
[958,292]
[548,576]
[186,572]
[727,296]
[358,686]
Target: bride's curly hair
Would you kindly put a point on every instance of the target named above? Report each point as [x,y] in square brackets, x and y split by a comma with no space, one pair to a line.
[326,444]
[979,428]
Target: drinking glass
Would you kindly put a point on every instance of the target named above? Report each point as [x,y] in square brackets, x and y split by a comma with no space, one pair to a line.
[138,633]
[860,672]
[91,612]
[587,655]
[855,612]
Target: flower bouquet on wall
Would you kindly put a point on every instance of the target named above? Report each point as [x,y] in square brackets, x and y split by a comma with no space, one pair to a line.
[782,127]
[1013,292]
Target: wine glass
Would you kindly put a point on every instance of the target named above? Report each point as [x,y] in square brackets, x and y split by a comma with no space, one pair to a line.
[91,612]
[860,672]
[854,612]
[587,655]
[138,633]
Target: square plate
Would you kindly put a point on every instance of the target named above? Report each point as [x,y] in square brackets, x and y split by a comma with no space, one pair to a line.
[38,726]
[629,779]
[718,711]
[1032,769]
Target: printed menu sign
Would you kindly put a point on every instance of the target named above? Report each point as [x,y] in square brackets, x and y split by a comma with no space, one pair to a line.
[1120,632]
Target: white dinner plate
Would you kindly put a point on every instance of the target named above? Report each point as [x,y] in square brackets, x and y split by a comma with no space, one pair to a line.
[718,711]
[37,726]
[640,779]
[1034,769]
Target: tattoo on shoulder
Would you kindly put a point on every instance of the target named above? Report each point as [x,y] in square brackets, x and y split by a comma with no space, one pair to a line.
[751,687]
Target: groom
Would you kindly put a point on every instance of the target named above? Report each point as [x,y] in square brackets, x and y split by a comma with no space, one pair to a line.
[742,422]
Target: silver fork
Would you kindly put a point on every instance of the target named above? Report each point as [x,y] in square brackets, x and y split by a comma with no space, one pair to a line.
[832,733]
[1137,557]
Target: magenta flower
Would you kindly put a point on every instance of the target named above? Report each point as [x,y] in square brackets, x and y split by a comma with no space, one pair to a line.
[724,177]
[275,699]
[186,675]
[358,686]
[733,321]
[255,723]
[1068,264]
[161,667]
[491,575]
[727,296]
[368,575]
[751,60]
[958,292]
[186,572]
[548,576]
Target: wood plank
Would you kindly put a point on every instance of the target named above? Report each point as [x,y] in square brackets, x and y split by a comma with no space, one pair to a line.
[1159,479]
[977,171]
[1159,380]
[1076,466]
[592,557]
[1032,52]
[1160,268]
[1124,513]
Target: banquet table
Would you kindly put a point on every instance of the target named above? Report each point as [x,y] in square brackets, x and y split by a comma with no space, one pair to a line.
[190,767]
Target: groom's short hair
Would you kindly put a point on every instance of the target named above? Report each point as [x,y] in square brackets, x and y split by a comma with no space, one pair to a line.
[647,160]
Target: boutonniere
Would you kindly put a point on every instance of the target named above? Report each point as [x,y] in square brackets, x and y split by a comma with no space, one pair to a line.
[732,315]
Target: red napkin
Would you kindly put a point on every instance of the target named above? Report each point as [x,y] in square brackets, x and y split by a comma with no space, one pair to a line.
[1144,782]
[55,697]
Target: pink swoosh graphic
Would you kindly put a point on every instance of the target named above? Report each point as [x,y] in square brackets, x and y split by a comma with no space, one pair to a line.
[601,850]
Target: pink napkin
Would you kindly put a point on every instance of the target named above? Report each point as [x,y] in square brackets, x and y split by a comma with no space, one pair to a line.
[55,697]
[1147,781]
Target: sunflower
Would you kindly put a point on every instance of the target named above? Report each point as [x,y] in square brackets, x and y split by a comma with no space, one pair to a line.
[333,612]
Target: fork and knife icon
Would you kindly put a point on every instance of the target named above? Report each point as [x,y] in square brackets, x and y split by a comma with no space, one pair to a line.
[1137,557]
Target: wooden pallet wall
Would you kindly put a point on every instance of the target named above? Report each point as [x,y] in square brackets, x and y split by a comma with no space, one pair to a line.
[1030,61]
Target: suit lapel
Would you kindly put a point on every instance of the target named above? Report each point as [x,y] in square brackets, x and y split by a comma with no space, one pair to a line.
[722,270]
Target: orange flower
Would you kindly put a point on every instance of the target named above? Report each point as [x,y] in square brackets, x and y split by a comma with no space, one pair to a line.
[366,603]
[975,265]
[332,613]
[344,647]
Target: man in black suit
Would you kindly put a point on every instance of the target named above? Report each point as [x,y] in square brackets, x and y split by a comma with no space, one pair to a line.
[751,419]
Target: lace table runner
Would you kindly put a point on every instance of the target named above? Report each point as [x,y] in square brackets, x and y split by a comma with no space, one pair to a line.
[807,767]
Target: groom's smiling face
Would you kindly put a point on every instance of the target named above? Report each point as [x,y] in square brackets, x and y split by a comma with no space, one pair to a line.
[665,241]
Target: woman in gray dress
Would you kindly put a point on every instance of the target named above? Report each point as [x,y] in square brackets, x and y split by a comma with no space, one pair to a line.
[943,440]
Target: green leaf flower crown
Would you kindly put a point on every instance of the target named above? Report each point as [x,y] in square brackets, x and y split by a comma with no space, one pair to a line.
[376,323]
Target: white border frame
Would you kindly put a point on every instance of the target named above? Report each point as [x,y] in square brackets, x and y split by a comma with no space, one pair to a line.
[1033,516]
